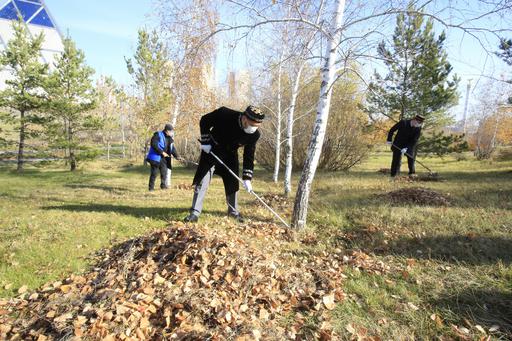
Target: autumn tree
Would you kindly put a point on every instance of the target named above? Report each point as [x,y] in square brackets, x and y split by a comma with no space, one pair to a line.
[110,97]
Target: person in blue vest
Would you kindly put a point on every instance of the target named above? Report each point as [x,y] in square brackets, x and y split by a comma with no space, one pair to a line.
[159,156]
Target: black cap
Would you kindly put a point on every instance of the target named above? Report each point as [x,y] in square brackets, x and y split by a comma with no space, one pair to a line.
[168,127]
[254,113]
[419,118]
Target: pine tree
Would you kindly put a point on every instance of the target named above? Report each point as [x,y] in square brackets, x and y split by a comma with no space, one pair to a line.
[151,70]
[506,50]
[418,79]
[72,95]
[24,94]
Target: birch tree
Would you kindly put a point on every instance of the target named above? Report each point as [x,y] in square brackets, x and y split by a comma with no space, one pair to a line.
[345,39]
[183,24]
[328,76]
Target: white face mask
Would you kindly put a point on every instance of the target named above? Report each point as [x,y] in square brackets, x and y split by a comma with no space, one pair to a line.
[250,129]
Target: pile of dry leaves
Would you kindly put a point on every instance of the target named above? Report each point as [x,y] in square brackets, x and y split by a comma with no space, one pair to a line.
[417,195]
[188,283]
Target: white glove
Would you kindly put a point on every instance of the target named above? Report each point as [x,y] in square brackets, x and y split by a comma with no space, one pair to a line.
[389,143]
[248,185]
[207,148]
[403,151]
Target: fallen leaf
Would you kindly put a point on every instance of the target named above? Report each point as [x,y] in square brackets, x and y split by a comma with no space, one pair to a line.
[328,301]
[350,328]
[480,329]
[494,328]
[65,288]
[264,314]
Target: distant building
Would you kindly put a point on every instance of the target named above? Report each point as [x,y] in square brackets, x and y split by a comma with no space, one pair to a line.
[239,86]
[38,19]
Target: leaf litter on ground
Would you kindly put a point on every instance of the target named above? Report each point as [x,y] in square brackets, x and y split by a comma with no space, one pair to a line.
[190,282]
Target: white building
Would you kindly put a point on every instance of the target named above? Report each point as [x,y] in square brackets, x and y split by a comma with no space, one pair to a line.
[38,19]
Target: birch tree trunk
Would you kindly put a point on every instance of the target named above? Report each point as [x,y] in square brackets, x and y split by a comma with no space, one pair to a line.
[176,113]
[289,133]
[328,73]
[277,162]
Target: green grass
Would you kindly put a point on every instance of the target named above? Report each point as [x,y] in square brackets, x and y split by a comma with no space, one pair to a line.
[459,256]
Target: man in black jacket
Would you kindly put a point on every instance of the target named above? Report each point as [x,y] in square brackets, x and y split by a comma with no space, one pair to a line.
[408,133]
[159,156]
[223,131]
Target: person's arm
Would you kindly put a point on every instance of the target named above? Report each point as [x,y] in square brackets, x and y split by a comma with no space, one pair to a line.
[206,124]
[174,152]
[154,143]
[248,164]
[392,131]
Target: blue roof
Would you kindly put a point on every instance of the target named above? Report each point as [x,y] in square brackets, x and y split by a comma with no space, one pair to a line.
[32,12]
[9,12]
[27,9]
[43,19]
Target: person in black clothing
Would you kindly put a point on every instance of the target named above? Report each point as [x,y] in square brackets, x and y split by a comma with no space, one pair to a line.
[408,133]
[223,131]
[159,156]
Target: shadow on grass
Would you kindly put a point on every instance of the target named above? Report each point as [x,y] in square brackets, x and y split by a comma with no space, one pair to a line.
[486,307]
[105,188]
[163,213]
[470,249]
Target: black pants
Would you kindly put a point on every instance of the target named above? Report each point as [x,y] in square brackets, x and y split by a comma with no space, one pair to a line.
[157,167]
[397,162]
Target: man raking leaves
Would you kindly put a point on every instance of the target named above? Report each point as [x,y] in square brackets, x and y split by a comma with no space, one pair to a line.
[223,131]
[407,134]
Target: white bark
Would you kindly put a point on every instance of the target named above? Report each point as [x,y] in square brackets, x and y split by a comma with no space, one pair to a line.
[328,74]
[289,133]
[176,112]
[277,162]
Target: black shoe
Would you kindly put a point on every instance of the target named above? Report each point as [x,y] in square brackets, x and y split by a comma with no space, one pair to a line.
[238,217]
[191,218]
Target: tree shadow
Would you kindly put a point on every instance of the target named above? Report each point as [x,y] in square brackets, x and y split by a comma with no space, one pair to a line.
[116,190]
[145,169]
[163,213]
[470,249]
[485,307]
[498,197]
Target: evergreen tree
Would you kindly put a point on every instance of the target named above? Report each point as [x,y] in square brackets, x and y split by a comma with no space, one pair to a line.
[151,70]
[72,95]
[506,50]
[418,79]
[24,94]
[506,54]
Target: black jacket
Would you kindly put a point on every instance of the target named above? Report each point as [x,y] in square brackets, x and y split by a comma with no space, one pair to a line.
[170,149]
[406,137]
[222,128]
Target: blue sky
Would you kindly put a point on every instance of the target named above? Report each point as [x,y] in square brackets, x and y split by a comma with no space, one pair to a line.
[105,30]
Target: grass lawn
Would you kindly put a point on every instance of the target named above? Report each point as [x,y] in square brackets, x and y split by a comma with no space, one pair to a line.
[447,270]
